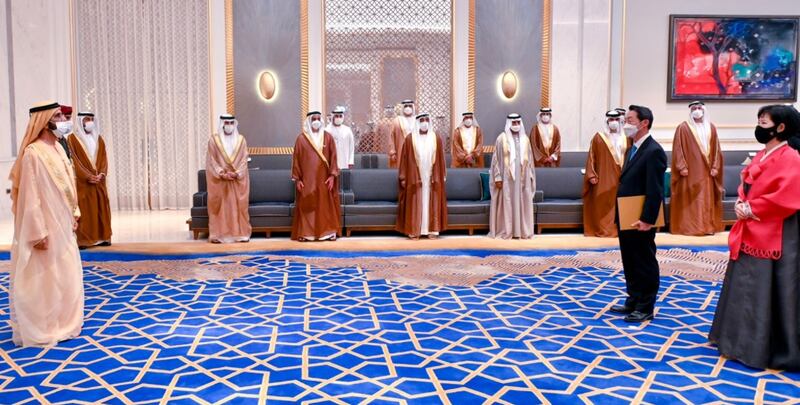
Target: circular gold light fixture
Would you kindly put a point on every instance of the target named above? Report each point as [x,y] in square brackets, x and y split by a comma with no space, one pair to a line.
[509,84]
[267,85]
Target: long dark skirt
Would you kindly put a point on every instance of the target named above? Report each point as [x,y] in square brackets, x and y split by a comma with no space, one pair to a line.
[757,321]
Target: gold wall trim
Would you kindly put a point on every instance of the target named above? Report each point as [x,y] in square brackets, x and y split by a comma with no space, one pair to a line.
[470,57]
[304,89]
[720,126]
[324,46]
[452,66]
[622,53]
[547,26]
[209,5]
[270,150]
[229,94]
[73,59]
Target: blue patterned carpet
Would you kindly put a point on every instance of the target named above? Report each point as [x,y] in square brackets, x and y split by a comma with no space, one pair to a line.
[292,332]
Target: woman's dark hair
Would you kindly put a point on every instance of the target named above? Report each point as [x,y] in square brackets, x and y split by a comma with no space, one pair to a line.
[789,117]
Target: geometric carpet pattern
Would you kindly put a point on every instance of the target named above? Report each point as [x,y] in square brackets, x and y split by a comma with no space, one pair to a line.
[293,332]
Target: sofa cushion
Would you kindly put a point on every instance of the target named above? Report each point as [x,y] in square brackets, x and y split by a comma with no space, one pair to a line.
[735,157]
[201,181]
[270,162]
[467,207]
[464,184]
[200,199]
[374,184]
[476,220]
[731,178]
[265,185]
[199,212]
[560,183]
[573,159]
[271,186]
[271,209]
[486,193]
[371,208]
[559,212]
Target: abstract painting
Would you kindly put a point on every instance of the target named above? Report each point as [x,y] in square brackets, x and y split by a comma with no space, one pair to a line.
[732,58]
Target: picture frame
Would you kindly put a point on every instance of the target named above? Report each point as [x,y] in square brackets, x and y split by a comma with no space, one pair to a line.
[732,58]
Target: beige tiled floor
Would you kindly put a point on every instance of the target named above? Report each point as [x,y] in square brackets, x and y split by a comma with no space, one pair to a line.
[166,231]
[132,226]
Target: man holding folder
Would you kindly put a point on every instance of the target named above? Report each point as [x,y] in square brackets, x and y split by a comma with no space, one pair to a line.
[642,181]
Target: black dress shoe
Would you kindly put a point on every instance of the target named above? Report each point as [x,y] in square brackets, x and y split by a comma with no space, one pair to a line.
[621,309]
[638,317]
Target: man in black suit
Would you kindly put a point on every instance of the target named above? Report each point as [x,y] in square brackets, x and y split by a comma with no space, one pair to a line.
[643,174]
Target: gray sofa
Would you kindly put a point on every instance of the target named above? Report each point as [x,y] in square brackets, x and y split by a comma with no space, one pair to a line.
[369,196]
[562,198]
[731,180]
[465,209]
[371,202]
[271,202]
[374,200]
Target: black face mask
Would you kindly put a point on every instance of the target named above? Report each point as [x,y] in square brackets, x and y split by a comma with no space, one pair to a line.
[764,135]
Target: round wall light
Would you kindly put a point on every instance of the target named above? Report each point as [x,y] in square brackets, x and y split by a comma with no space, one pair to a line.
[267,85]
[509,84]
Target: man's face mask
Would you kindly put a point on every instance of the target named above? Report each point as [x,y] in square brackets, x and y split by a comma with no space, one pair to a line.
[424,126]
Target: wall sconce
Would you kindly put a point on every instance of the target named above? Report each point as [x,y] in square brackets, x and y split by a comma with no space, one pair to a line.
[508,85]
[267,86]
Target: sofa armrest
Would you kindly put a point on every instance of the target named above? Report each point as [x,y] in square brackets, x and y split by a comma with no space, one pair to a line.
[538,196]
[347,197]
[200,199]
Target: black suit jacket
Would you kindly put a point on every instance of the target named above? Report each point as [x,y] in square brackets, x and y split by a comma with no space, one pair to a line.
[644,175]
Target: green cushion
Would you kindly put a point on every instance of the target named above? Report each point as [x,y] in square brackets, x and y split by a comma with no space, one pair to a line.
[485,190]
[667,180]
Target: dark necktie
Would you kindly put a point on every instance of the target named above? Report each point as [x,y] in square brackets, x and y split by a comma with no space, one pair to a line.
[633,152]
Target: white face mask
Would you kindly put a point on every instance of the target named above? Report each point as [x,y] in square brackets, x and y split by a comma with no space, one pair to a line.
[613,125]
[467,122]
[63,128]
[338,121]
[408,110]
[423,126]
[630,129]
[516,128]
[88,126]
[228,128]
[697,114]
[545,119]
[315,125]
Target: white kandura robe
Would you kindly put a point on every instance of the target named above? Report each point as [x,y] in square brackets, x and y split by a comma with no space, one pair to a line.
[345,145]
[46,294]
[511,212]
[425,153]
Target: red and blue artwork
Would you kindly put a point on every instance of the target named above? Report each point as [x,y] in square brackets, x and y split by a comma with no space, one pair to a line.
[733,58]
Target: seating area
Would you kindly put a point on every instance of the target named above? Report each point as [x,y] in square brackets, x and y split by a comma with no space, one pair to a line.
[369,195]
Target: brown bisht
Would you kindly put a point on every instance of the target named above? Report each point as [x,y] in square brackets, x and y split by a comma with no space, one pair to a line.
[228,200]
[400,129]
[422,176]
[94,227]
[604,163]
[460,150]
[542,150]
[317,210]
[696,201]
